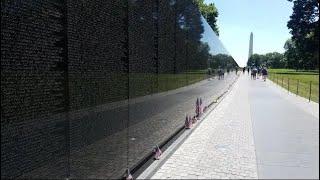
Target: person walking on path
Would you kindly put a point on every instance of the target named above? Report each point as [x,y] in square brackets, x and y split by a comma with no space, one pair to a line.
[264,73]
[220,74]
[258,72]
[254,72]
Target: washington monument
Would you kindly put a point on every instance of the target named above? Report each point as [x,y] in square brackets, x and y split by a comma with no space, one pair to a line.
[250,46]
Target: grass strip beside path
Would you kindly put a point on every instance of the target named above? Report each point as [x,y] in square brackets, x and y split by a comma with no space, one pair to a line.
[297,82]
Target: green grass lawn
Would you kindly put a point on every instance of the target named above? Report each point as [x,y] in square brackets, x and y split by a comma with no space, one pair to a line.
[297,82]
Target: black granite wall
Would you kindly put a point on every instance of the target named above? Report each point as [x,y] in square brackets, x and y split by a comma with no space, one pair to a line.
[33,85]
[80,83]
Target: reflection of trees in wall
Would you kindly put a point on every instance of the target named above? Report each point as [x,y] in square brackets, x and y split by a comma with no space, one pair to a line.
[210,13]
[182,33]
[96,53]
[189,32]
[223,61]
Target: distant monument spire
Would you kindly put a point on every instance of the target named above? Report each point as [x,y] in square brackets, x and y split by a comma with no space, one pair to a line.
[250,45]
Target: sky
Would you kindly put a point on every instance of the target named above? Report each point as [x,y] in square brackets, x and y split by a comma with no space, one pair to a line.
[267,19]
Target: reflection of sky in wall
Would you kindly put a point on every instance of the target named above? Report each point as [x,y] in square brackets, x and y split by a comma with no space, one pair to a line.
[209,36]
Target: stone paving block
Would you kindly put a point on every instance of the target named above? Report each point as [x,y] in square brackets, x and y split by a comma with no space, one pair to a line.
[222,146]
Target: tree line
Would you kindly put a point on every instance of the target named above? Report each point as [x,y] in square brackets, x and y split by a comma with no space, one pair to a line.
[271,60]
[302,49]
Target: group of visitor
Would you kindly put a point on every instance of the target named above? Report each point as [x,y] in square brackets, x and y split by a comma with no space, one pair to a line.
[257,72]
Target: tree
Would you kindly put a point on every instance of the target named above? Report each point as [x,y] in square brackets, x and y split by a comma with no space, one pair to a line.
[303,24]
[271,60]
[275,60]
[210,13]
[293,58]
[255,60]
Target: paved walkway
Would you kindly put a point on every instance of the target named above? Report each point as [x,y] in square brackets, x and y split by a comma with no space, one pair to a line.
[286,133]
[255,132]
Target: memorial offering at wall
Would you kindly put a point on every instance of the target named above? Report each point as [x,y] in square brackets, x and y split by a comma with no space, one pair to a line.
[88,88]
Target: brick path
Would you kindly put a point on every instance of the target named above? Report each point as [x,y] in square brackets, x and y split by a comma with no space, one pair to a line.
[221,147]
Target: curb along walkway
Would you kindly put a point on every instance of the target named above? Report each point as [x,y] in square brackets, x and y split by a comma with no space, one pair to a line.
[257,131]
[221,147]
